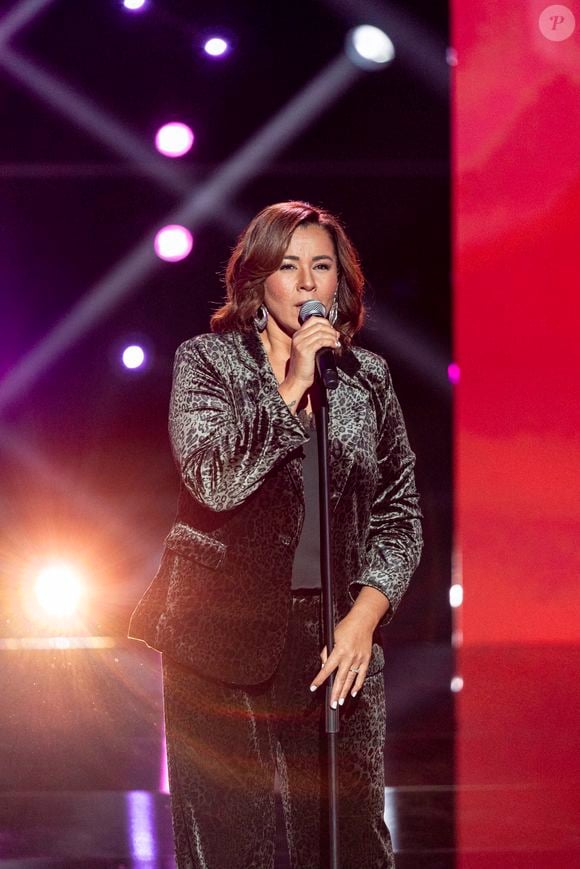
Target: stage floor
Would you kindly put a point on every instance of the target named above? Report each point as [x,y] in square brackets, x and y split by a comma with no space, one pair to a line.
[83,775]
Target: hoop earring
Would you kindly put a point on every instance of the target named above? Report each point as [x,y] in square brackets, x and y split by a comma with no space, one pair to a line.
[333,313]
[261,318]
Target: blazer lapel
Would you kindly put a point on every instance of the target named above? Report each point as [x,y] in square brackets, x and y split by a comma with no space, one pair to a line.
[256,358]
[347,411]
[348,407]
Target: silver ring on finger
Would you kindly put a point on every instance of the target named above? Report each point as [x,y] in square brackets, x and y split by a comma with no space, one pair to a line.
[354,670]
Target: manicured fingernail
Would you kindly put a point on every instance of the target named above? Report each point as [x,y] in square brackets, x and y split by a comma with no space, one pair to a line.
[341,701]
[313,687]
[333,704]
[353,693]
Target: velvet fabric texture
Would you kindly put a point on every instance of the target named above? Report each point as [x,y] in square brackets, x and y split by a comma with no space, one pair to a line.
[225,742]
[239,651]
[220,601]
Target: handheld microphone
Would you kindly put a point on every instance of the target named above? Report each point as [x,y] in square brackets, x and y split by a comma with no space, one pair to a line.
[325,361]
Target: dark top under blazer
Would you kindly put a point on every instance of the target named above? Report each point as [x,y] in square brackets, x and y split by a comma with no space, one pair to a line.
[306,563]
[220,600]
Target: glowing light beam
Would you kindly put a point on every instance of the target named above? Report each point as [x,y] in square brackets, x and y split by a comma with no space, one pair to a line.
[140,811]
[417,48]
[19,16]
[75,490]
[84,113]
[198,207]
[396,337]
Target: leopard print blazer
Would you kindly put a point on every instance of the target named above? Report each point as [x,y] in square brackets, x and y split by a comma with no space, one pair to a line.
[220,600]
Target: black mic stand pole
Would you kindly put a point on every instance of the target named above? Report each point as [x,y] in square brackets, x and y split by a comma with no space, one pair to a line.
[325,382]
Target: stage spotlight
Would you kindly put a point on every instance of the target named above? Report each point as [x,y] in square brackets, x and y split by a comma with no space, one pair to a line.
[369,47]
[173,243]
[216,46]
[174,139]
[133,356]
[58,590]
[456,595]
[134,5]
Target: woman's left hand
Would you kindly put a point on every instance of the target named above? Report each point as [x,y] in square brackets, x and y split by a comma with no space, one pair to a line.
[353,641]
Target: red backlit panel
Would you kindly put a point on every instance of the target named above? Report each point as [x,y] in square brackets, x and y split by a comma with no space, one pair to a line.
[516,134]
[517,324]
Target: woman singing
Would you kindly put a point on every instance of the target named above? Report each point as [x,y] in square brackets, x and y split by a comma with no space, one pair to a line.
[235,607]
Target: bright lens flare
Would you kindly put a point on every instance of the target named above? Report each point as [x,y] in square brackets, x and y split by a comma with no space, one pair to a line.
[59,590]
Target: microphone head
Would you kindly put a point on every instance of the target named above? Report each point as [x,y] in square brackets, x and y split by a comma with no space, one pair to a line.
[311,308]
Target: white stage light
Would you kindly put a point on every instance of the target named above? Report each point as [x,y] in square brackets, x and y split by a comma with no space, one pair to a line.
[174,139]
[173,243]
[133,356]
[201,203]
[58,590]
[134,5]
[369,47]
[456,684]
[216,46]
[456,595]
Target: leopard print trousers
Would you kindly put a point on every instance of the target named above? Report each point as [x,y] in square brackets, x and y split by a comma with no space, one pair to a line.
[224,744]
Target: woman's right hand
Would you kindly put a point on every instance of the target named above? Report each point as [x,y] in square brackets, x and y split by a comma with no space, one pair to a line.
[312,336]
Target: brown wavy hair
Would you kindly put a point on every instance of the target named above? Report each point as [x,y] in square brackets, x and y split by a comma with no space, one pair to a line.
[260,251]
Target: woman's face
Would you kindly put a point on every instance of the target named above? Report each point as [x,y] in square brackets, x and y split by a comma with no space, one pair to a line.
[308,271]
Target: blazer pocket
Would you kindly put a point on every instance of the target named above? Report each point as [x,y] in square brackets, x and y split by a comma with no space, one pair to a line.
[194,544]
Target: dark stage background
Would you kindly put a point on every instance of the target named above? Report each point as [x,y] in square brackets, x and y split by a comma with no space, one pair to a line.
[481,670]
[87,472]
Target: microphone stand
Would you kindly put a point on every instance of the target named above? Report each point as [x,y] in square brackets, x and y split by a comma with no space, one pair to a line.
[332,715]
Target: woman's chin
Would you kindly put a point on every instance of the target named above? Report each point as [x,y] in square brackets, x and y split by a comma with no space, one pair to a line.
[288,326]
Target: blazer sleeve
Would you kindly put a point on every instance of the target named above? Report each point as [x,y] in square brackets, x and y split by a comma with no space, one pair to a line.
[223,446]
[394,541]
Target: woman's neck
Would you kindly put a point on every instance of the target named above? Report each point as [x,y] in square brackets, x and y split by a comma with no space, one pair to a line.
[277,344]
